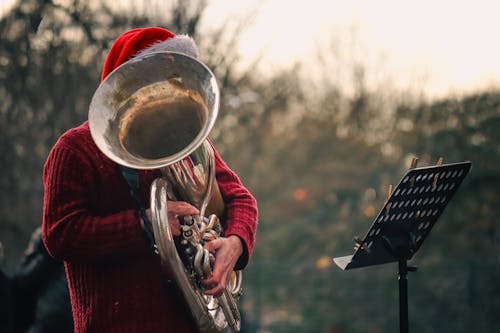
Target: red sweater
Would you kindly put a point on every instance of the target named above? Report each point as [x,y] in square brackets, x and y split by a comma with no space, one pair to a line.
[89,221]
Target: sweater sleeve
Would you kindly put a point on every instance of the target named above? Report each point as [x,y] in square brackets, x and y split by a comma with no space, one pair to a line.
[72,230]
[241,217]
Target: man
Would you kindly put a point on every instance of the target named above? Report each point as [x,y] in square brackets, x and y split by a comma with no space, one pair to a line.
[114,278]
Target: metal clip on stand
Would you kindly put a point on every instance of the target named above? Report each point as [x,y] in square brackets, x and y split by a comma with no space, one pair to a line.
[405,220]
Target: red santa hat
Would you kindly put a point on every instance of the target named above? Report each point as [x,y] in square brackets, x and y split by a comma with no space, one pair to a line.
[142,41]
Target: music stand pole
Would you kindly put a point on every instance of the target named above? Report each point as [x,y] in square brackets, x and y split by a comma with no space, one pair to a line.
[403,296]
[402,252]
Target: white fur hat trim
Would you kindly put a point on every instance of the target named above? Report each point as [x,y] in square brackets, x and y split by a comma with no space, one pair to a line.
[181,44]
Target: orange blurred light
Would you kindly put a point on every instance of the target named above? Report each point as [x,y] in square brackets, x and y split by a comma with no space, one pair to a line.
[299,194]
[323,262]
[369,211]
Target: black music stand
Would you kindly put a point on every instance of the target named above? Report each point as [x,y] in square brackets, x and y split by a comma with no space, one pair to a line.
[405,220]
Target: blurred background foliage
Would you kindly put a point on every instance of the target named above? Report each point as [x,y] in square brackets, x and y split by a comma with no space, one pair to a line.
[318,153]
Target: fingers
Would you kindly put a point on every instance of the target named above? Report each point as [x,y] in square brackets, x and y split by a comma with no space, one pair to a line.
[216,291]
[177,209]
[216,283]
[227,251]
[175,225]
[181,208]
[232,244]
[213,245]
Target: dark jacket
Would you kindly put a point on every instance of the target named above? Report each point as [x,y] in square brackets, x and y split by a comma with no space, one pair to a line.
[39,290]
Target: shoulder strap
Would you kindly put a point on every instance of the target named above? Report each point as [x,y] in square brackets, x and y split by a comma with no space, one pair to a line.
[132,178]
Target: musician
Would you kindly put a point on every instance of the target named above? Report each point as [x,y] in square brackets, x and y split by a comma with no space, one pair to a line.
[89,222]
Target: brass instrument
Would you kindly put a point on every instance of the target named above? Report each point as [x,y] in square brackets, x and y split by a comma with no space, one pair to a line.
[155,112]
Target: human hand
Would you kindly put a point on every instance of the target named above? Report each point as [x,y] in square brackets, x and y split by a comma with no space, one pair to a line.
[227,251]
[176,210]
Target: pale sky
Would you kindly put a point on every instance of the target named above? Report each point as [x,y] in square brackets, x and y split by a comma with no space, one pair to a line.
[453,44]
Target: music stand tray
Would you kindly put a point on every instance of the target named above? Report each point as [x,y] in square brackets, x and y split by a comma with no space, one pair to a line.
[405,221]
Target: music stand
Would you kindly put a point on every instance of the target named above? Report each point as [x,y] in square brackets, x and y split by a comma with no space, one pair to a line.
[404,221]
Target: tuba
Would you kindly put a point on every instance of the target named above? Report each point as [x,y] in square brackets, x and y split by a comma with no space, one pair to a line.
[155,112]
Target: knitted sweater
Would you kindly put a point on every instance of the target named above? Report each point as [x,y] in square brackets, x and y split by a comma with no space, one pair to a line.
[89,221]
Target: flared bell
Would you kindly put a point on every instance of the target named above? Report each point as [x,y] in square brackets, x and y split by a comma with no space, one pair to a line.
[154,110]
